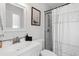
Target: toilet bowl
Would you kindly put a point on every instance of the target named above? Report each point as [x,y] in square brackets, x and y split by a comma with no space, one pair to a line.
[47,53]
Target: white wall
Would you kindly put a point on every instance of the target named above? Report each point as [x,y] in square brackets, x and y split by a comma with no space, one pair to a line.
[37,32]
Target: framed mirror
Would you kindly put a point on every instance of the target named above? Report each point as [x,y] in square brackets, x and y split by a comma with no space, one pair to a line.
[14,16]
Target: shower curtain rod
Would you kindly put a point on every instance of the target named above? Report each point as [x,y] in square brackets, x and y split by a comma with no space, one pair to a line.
[56,7]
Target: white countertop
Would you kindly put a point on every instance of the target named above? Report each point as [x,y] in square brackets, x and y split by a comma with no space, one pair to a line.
[17,49]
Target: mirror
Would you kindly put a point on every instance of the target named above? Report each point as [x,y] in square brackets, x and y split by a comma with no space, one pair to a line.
[14,16]
[1,27]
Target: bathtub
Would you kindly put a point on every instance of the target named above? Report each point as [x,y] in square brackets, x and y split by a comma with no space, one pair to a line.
[30,48]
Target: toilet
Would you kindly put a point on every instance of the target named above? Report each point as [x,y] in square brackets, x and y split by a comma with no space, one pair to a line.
[47,53]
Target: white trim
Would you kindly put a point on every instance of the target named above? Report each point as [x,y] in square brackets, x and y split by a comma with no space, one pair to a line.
[18,5]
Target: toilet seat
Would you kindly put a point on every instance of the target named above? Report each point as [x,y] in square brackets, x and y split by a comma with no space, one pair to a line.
[47,53]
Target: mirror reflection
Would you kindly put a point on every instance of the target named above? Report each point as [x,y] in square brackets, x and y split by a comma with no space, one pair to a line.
[14,16]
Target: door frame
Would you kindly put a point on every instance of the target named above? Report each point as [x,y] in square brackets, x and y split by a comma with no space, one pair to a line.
[48,12]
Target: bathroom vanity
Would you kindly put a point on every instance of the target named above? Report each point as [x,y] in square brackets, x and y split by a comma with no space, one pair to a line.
[13,24]
[22,49]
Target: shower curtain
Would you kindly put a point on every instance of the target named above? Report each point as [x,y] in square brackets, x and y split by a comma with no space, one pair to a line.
[65,29]
[56,26]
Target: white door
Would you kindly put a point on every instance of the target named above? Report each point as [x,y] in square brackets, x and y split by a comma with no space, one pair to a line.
[48,31]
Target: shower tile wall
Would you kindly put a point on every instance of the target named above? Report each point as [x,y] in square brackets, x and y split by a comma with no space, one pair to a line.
[66,30]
